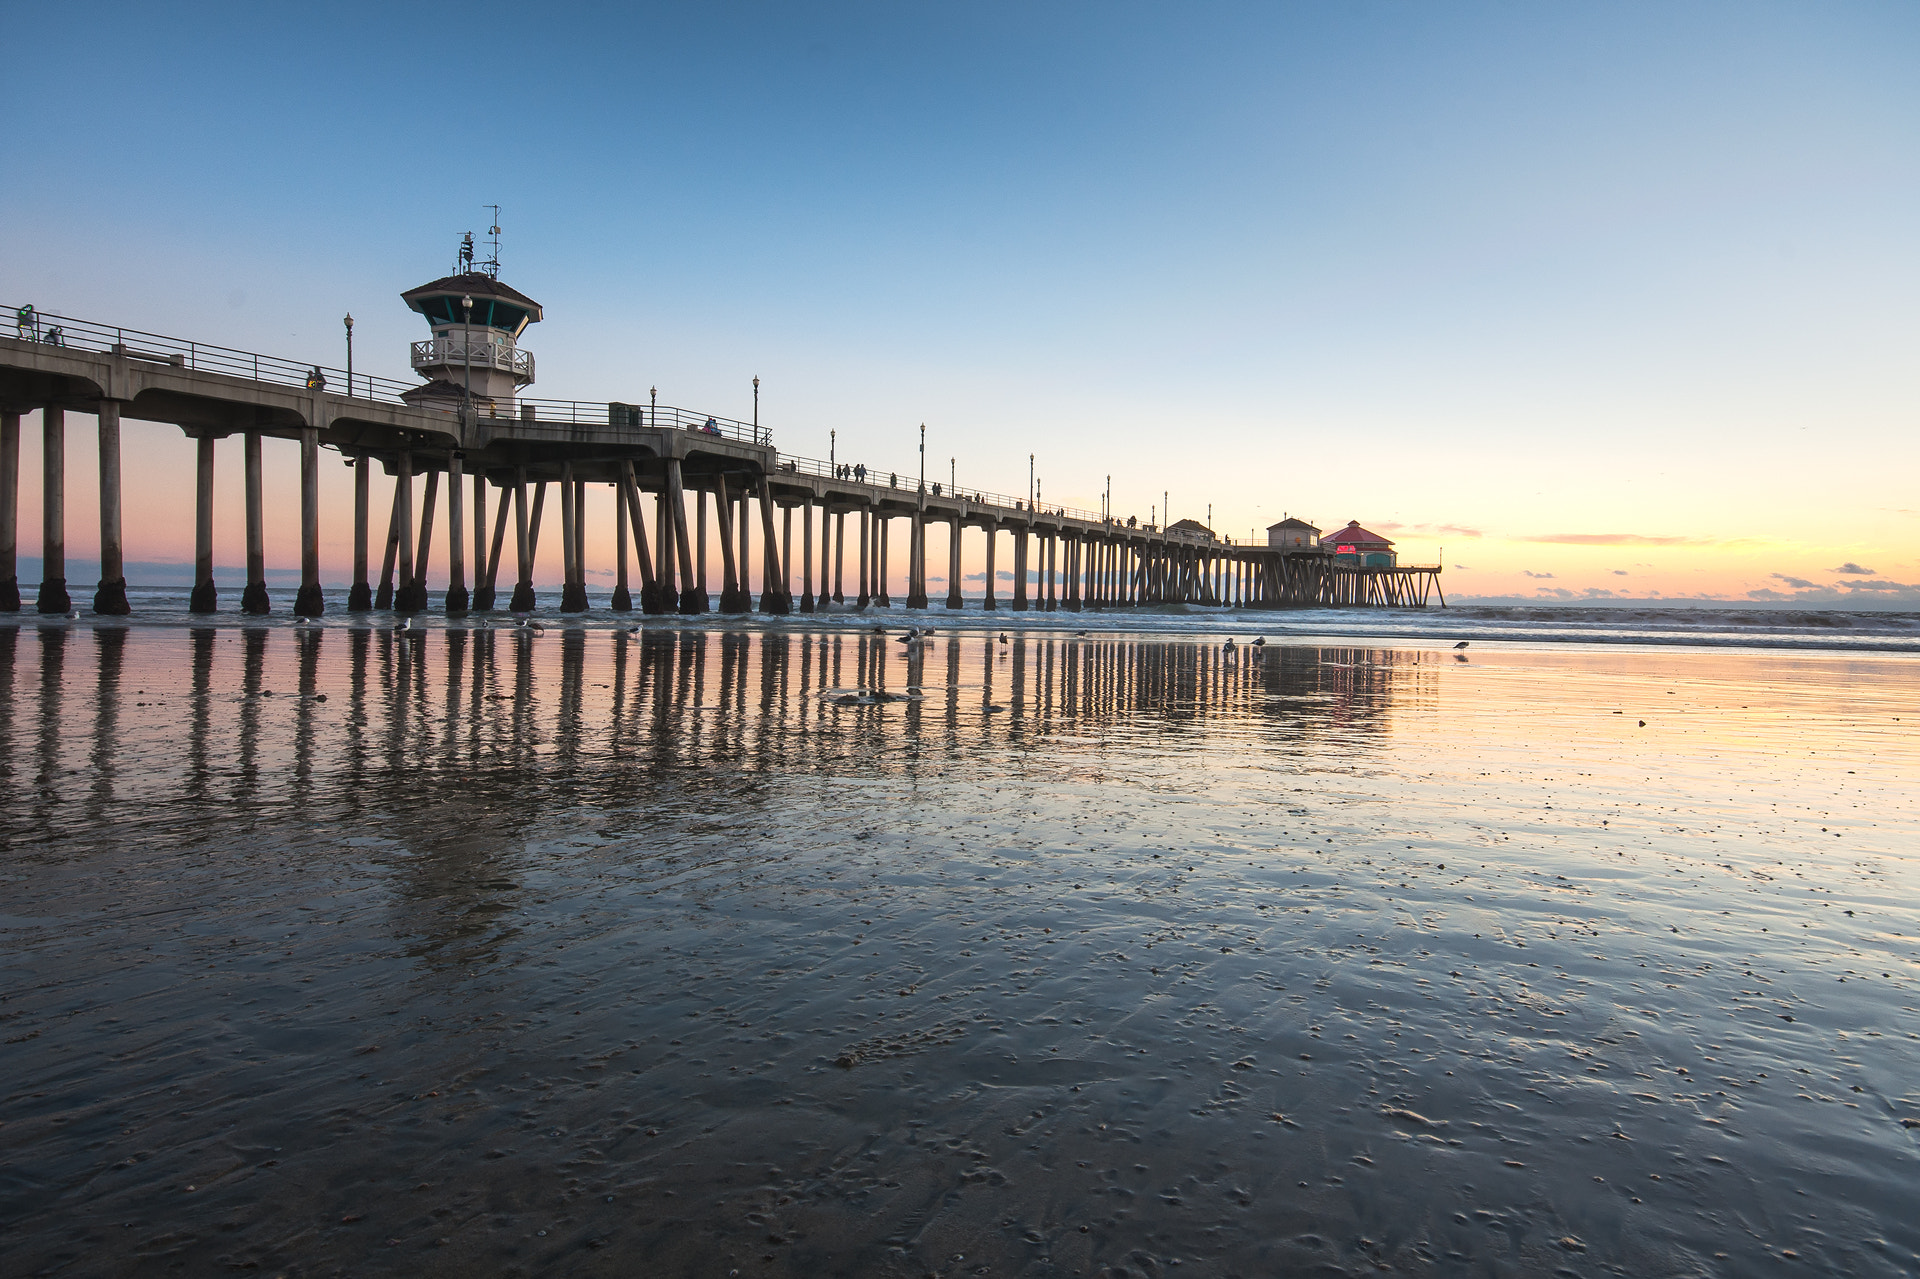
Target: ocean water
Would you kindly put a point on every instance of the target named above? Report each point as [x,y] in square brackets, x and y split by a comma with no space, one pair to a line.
[1680,623]
[788,948]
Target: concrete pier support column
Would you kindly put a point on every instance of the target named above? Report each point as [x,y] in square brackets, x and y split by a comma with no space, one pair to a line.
[773,599]
[622,599]
[865,596]
[917,557]
[110,598]
[253,599]
[700,543]
[806,556]
[390,556]
[310,602]
[1019,531]
[482,576]
[880,595]
[743,521]
[993,536]
[573,589]
[360,594]
[403,505]
[205,599]
[522,600]
[485,596]
[954,599]
[1049,545]
[664,576]
[53,596]
[733,595]
[9,512]
[650,600]
[1074,566]
[826,559]
[457,599]
[580,533]
[692,598]
[839,557]
[786,552]
[423,555]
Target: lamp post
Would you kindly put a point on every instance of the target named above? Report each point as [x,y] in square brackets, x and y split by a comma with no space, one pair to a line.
[756,410]
[1029,482]
[349,323]
[466,349]
[1106,502]
[953,476]
[923,457]
[653,406]
[833,452]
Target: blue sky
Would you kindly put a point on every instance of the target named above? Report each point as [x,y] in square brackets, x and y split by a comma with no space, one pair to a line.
[1628,270]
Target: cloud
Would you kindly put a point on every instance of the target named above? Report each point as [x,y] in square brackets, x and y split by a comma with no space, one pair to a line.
[1619,572]
[1443,530]
[1797,583]
[1878,584]
[1616,539]
[1597,592]
[1853,570]
[975,577]
[1557,592]
[1530,573]
[1765,593]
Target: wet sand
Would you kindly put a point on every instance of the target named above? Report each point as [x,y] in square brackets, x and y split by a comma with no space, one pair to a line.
[674,953]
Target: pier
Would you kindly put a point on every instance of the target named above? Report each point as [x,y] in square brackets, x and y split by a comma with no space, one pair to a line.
[502,458]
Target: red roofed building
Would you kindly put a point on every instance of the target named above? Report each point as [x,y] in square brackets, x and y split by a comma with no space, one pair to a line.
[1354,545]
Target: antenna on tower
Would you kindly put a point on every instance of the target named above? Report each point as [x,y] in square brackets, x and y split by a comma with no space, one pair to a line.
[492,265]
[464,263]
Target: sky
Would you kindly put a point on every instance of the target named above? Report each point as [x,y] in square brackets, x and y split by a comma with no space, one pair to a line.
[1587,301]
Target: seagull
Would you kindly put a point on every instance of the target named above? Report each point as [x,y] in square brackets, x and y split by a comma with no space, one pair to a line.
[1260,641]
[630,630]
[1003,638]
[73,614]
[404,624]
[1461,644]
[1079,632]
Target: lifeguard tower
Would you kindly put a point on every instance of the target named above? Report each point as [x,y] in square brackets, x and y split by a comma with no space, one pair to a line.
[474,356]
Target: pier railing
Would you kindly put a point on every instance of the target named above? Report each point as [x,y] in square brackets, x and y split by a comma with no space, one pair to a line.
[663,417]
[906,484]
[33,325]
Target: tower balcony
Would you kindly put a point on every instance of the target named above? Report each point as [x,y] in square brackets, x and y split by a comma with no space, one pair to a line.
[456,352]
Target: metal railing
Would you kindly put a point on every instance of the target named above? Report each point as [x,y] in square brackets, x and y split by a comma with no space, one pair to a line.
[905,484]
[643,417]
[31,325]
[443,352]
[34,325]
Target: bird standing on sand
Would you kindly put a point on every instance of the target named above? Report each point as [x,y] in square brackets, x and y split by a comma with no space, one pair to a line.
[1003,638]
[1461,644]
